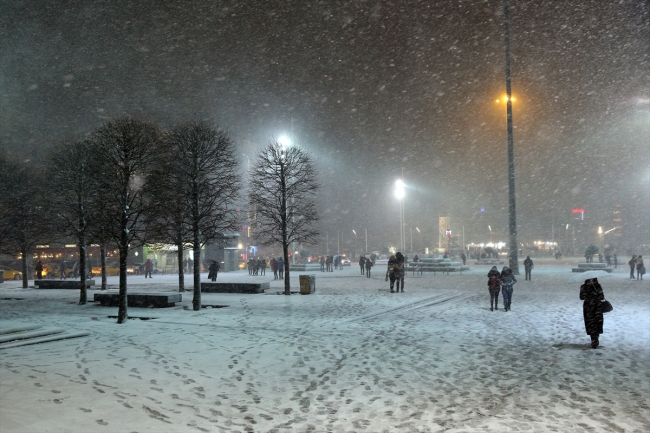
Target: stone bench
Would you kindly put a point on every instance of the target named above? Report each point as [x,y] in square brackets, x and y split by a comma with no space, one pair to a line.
[585,269]
[61,284]
[592,266]
[234,287]
[141,300]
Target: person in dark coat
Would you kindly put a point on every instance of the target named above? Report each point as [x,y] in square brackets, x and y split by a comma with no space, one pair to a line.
[322,263]
[362,264]
[494,287]
[508,281]
[274,268]
[148,267]
[640,268]
[39,270]
[280,268]
[62,269]
[399,272]
[391,272]
[463,257]
[591,293]
[213,270]
[368,266]
[528,266]
[632,264]
[263,267]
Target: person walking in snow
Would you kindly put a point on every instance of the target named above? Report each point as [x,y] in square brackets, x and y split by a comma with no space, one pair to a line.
[322,263]
[368,266]
[148,266]
[632,264]
[391,272]
[640,268]
[274,267]
[399,272]
[591,293]
[213,270]
[362,264]
[528,266]
[280,268]
[262,266]
[508,280]
[494,287]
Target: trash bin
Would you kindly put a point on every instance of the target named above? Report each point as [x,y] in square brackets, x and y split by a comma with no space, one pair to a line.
[307,284]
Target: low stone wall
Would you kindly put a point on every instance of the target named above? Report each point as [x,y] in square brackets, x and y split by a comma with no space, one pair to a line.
[234,287]
[61,284]
[139,300]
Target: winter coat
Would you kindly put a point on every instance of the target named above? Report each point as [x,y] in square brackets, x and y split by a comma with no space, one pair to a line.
[494,283]
[639,263]
[362,261]
[592,294]
[392,265]
[281,264]
[507,278]
[274,265]
[399,268]
[528,263]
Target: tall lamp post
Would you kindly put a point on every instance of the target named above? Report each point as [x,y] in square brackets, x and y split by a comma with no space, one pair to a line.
[512,211]
[399,193]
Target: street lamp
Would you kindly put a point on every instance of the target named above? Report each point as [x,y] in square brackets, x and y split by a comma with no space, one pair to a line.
[420,235]
[512,212]
[399,193]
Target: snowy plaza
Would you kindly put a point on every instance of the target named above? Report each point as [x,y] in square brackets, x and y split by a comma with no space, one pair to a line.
[351,357]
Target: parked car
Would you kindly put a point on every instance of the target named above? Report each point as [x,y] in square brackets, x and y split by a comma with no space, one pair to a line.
[111,271]
[11,274]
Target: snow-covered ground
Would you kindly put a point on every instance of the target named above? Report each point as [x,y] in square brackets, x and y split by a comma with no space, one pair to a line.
[350,358]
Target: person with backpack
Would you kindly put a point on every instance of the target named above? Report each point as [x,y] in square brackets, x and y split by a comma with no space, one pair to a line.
[494,287]
[508,281]
[362,264]
[391,272]
[640,268]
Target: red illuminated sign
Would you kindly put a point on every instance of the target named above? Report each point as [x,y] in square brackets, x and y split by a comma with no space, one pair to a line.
[578,211]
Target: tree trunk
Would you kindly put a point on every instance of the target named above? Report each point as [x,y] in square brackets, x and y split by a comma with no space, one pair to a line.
[287,284]
[181,271]
[102,259]
[122,313]
[83,294]
[24,265]
[196,302]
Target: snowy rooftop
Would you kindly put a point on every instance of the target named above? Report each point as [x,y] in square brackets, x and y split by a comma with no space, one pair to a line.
[351,357]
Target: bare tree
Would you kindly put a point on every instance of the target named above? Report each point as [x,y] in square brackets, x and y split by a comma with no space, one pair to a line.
[124,153]
[22,211]
[171,215]
[282,198]
[204,180]
[72,198]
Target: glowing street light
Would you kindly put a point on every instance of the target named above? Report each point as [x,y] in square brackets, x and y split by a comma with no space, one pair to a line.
[284,141]
[400,193]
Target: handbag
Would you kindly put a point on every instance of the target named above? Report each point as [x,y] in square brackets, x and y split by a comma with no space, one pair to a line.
[605,306]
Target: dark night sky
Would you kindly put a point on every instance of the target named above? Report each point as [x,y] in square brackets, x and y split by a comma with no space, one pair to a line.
[372,88]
